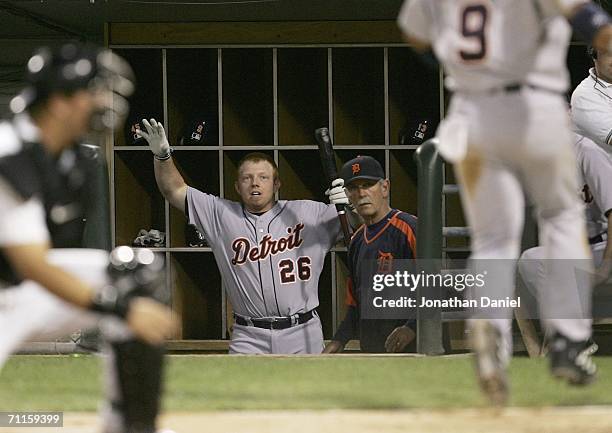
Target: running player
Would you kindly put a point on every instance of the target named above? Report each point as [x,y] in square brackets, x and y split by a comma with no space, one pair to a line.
[508,131]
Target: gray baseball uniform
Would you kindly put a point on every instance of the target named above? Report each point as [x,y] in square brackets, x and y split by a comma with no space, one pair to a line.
[270,265]
[508,78]
[595,168]
[595,172]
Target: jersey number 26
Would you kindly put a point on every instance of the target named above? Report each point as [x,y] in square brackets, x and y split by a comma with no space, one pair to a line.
[290,269]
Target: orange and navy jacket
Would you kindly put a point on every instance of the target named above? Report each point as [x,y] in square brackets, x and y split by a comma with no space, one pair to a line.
[391,238]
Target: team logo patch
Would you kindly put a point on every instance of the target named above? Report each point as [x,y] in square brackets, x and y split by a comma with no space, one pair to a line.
[385,262]
[356,168]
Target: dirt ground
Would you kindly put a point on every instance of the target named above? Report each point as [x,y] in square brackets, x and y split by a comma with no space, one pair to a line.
[590,419]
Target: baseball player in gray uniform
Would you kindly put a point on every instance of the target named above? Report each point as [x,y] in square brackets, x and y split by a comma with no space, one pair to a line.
[595,173]
[270,253]
[507,131]
[592,101]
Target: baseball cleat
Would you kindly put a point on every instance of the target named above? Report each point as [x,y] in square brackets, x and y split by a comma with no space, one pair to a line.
[571,360]
[591,347]
[487,345]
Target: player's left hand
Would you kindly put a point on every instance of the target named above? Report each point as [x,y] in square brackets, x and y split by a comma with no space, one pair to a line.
[337,194]
[399,339]
[155,136]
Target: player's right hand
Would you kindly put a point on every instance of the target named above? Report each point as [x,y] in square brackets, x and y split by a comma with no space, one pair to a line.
[333,347]
[150,320]
[398,339]
[337,193]
[155,136]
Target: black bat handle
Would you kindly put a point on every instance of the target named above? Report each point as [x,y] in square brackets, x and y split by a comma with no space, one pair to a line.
[329,165]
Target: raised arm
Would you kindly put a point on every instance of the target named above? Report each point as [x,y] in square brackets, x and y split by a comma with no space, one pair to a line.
[169,181]
[414,23]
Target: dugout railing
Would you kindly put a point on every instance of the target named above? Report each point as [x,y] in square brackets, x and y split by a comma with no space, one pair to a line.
[429,237]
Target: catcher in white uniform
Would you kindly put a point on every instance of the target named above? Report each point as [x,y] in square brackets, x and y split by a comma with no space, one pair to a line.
[72,90]
[508,131]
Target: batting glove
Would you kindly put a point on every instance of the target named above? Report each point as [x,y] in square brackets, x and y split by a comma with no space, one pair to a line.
[337,194]
[156,137]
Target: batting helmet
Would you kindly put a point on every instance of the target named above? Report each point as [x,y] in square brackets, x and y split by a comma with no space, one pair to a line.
[194,237]
[196,132]
[75,66]
[415,132]
[131,138]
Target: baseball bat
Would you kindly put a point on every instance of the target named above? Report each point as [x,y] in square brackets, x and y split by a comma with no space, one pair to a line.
[326,151]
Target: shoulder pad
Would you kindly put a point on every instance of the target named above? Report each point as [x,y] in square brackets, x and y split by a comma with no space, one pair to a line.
[21,172]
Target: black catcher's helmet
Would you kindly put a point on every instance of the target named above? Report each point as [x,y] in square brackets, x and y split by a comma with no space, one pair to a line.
[75,66]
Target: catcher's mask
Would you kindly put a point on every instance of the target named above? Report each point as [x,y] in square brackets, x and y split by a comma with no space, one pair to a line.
[75,66]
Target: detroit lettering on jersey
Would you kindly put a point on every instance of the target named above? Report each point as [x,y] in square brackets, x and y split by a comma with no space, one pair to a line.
[267,246]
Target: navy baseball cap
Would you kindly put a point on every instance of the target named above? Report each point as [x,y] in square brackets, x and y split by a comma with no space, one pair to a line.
[362,167]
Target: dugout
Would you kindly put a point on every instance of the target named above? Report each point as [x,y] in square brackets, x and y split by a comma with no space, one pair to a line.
[262,76]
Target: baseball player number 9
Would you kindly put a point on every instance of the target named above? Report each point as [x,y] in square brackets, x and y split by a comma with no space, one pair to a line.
[473,23]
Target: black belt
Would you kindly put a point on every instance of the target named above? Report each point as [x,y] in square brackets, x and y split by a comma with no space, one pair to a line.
[517,87]
[597,239]
[276,322]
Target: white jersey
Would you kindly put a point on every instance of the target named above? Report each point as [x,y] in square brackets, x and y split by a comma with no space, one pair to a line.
[21,222]
[595,172]
[270,263]
[592,109]
[486,45]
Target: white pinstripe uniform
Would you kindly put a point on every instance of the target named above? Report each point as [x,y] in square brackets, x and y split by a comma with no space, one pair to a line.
[507,132]
[592,110]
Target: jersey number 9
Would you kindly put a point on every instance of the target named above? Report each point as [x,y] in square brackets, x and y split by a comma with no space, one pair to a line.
[473,24]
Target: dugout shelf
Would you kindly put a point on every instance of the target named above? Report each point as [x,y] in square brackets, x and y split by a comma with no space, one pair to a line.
[402,170]
[260,91]
[248,97]
[302,175]
[414,94]
[192,81]
[147,100]
[138,204]
[303,103]
[358,96]
[196,295]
